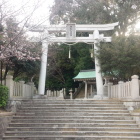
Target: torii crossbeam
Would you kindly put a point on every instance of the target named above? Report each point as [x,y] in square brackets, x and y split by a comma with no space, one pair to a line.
[71,29]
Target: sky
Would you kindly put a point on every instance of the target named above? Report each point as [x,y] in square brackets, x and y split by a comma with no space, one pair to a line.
[25,7]
[138,25]
[41,14]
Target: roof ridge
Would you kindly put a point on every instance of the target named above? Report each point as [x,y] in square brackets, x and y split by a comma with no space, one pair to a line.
[87,70]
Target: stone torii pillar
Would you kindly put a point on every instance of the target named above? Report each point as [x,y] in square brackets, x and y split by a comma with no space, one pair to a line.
[99,79]
[71,29]
[43,68]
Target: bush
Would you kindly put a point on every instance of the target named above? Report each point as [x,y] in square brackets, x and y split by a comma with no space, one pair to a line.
[3,95]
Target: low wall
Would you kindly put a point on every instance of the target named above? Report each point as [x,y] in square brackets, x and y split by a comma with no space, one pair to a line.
[56,94]
[125,90]
[5,119]
[19,90]
[136,117]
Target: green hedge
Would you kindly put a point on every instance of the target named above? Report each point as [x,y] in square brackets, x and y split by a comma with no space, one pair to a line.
[3,95]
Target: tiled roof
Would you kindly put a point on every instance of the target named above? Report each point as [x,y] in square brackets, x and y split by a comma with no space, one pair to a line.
[85,74]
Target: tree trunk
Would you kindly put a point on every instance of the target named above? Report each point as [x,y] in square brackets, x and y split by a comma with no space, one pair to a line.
[1,66]
[6,71]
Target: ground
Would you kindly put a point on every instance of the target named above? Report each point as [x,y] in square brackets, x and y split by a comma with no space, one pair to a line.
[2,110]
[137,110]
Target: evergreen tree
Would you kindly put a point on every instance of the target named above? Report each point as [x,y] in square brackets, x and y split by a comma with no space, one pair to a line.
[120,58]
[114,57]
[126,12]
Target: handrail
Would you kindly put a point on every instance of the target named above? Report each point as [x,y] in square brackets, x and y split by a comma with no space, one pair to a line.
[78,90]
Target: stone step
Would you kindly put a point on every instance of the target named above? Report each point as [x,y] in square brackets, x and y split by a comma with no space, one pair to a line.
[74,114]
[114,129]
[72,121]
[71,117]
[71,104]
[42,119]
[84,133]
[71,108]
[83,124]
[65,112]
[70,137]
[87,101]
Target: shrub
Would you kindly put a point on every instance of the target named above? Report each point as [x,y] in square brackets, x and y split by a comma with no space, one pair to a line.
[3,95]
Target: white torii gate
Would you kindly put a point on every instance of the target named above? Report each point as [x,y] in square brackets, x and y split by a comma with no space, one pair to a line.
[71,29]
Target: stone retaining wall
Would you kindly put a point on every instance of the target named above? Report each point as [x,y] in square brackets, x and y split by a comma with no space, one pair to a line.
[5,119]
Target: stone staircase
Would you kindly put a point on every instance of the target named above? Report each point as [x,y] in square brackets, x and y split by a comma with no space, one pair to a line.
[42,119]
[81,94]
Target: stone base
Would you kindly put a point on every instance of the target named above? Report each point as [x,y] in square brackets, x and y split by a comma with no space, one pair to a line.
[5,119]
[105,88]
[40,97]
[105,98]
[98,97]
[13,105]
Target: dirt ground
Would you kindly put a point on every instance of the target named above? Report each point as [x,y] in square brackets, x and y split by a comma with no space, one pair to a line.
[3,110]
[137,110]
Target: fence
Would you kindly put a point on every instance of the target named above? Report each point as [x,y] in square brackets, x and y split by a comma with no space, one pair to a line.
[125,90]
[58,93]
[19,90]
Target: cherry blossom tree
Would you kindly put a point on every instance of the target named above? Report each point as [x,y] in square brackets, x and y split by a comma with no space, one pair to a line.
[13,39]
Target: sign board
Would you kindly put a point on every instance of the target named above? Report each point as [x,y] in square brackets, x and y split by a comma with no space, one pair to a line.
[71,30]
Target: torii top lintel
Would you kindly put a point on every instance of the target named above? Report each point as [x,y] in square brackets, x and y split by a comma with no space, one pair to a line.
[72,28]
[79,27]
[83,27]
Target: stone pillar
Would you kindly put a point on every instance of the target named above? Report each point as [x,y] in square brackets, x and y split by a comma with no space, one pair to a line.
[58,93]
[106,81]
[71,94]
[55,93]
[49,93]
[91,90]
[135,87]
[105,87]
[22,90]
[99,80]
[85,89]
[120,89]
[32,89]
[61,94]
[64,91]
[10,85]
[42,77]
[52,93]
[109,89]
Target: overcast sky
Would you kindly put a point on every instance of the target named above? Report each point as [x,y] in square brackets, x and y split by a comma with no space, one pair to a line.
[41,15]
[26,7]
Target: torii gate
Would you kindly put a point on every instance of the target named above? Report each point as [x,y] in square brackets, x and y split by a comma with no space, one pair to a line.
[71,29]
